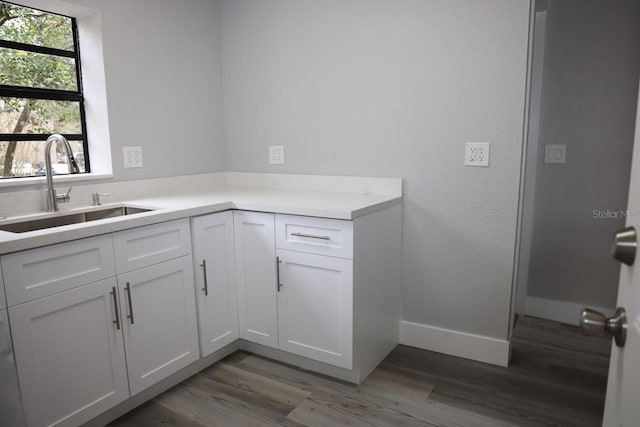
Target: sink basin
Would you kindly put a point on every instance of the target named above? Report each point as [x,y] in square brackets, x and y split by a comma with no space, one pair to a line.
[72,218]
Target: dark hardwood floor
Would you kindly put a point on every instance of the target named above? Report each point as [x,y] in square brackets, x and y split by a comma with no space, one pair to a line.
[556,378]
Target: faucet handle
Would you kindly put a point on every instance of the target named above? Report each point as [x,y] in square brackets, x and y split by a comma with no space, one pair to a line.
[95,198]
[64,197]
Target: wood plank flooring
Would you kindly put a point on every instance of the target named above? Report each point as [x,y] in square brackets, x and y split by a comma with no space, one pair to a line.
[556,378]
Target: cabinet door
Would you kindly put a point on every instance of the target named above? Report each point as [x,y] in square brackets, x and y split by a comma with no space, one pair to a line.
[160,330]
[11,411]
[315,307]
[3,302]
[216,295]
[256,273]
[70,355]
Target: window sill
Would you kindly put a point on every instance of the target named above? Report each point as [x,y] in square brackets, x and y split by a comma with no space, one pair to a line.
[41,180]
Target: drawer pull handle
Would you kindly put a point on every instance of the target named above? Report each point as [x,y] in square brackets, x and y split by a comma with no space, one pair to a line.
[204,272]
[128,291]
[115,306]
[311,236]
[278,284]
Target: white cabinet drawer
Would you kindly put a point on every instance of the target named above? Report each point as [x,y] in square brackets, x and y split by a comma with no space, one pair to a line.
[44,271]
[321,236]
[144,246]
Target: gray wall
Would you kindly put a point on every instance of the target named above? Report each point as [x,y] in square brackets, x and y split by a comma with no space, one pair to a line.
[163,80]
[589,102]
[395,88]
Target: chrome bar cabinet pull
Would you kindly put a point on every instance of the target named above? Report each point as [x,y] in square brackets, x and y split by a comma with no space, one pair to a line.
[128,291]
[115,305]
[311,236]
[204,272]
[278,284]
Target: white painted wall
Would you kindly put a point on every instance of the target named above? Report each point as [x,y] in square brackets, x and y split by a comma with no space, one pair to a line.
[358,87]
[395,88]
[589,101]
[163,82]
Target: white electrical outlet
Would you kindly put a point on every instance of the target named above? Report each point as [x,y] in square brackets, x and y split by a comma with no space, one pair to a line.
[132,157]
[476,154]
[555,153]
[276,154]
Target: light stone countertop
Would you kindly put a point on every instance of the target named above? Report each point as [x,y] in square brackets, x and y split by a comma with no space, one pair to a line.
[325,204]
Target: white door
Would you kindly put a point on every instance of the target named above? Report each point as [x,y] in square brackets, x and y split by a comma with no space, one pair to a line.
[256,274]
[70,355]
[214,262]
[315,307]
[623,388]
[159,321]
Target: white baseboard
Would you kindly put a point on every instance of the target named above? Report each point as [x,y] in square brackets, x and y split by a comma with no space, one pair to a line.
[559,311]
[454,343]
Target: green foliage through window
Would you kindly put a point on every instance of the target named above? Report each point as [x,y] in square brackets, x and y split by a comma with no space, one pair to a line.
[40,91]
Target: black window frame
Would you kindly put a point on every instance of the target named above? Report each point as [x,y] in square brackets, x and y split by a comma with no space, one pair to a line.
[11,91]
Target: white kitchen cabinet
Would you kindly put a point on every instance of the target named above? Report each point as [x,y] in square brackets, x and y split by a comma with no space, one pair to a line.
[315,307]
[159,321]
[70,355]
[339,302]
[74,362]
[336,311]
[214,266]
[335,285]
[256,277]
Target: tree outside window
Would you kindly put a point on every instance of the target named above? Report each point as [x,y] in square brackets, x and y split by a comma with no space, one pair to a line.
[40,90]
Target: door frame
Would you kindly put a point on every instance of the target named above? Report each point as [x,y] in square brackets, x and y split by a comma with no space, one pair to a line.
[521,191]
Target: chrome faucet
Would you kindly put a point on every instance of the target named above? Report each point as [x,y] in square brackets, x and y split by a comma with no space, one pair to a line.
[50,192]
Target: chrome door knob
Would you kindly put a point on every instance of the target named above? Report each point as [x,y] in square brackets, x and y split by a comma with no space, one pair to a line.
[596,324]
[625,244]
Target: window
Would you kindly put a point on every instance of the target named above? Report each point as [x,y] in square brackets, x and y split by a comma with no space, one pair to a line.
[40,91]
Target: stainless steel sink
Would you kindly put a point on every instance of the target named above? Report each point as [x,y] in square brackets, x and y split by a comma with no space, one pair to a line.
[72,218]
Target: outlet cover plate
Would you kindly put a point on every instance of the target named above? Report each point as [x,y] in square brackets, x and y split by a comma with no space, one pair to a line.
[477,154]
[276,154]
[132,157]
[555,153]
